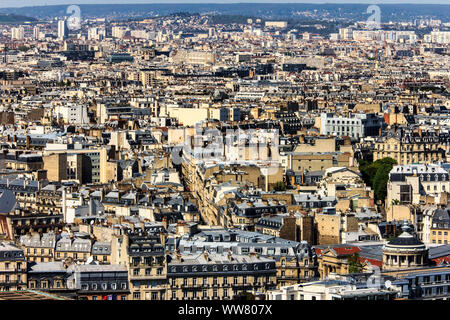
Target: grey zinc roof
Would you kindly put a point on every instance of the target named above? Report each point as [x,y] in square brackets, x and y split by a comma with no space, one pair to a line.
[7,201]
[54,266]
[101,248]
[101,268]
[439,251]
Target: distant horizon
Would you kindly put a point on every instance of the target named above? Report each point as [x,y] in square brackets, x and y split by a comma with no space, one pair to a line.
[43,3]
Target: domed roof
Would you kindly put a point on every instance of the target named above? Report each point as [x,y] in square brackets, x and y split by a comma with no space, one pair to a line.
[406,238]
[405,241]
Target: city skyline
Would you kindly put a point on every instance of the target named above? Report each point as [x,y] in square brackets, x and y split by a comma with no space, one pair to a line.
[209,154]
[27,3]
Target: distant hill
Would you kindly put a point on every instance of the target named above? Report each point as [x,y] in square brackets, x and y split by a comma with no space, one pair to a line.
[389,12]
[13,18]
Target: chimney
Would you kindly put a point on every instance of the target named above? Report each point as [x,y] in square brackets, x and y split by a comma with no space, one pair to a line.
[28,140]
[230,256]
[206,256]
[163,237]
[302,139]
[90,207]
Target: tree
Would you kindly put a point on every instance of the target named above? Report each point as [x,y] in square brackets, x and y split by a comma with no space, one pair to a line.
[279,186]
[244,296]
[376,175]
[354,264]
[382,176]
[23,48]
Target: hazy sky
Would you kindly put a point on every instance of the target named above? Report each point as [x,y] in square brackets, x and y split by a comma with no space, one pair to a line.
[22,3]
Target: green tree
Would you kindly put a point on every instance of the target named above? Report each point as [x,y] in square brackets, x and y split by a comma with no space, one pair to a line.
[279,186]
[23,48]
[376,175]
[381,177]
[368,171]
[354,264]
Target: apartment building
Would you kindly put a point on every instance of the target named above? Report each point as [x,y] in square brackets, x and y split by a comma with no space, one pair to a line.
[13,268]
[440,227]
[99,282]
[360,125]
[39,248]
[213,276]
[410,184]
[409,148]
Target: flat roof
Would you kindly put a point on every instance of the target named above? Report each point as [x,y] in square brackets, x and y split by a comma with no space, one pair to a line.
[29,295]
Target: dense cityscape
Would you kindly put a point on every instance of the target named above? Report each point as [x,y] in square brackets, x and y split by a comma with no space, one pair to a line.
[207,156]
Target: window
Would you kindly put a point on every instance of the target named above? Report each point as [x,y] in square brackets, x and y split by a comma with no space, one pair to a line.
[136,295]
[154,296]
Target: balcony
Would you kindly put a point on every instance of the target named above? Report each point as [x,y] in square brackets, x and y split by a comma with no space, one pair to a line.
[12,283]
[13,270]
[144,277]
